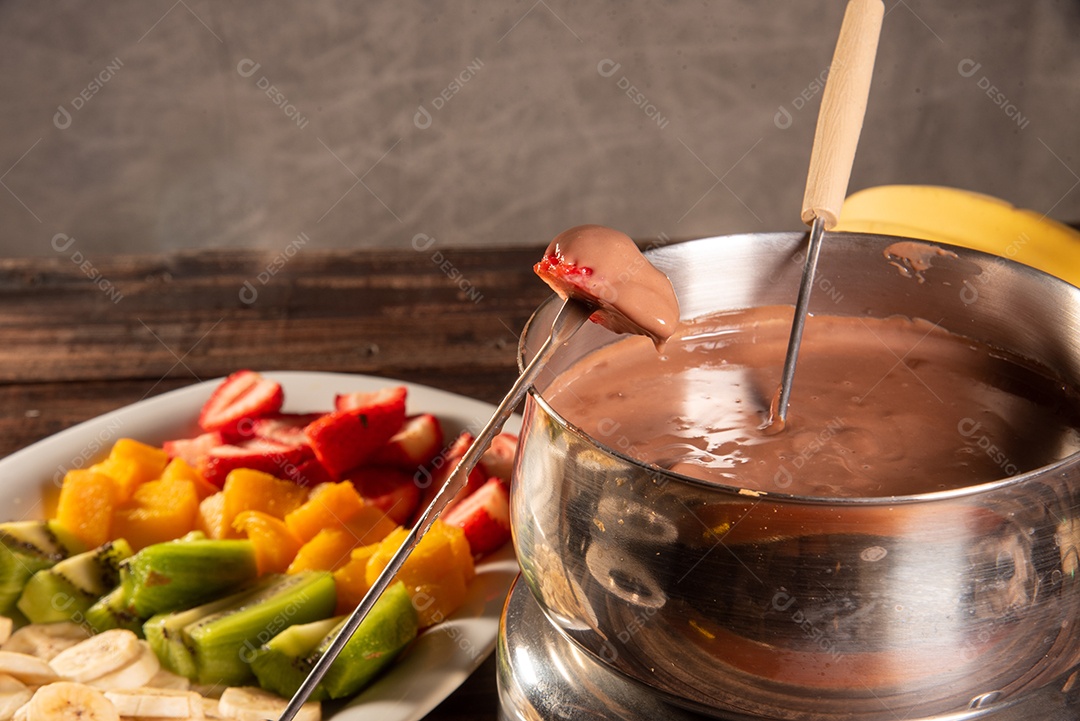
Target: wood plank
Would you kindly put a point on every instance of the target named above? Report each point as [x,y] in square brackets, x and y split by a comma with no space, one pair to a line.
[323,311]
[73,352]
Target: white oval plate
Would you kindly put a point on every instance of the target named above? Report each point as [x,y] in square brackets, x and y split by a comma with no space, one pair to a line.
[440,659]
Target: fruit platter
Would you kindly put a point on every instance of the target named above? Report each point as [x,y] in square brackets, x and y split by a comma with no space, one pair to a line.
[189,556]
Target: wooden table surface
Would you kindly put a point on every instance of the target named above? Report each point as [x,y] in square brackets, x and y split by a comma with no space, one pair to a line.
[82,337]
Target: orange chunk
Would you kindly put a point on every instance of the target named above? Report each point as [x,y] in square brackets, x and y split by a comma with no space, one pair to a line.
[370,525]
[87,502]
[438,596]
[436,574]
[180,470]
[275,545]
[329,549]
[351,578]
[211,518]
[330,504]
[459,546]
[248,490]
[157,511]
[130,464]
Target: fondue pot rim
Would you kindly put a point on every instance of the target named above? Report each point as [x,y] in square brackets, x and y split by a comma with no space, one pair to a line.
[964,491]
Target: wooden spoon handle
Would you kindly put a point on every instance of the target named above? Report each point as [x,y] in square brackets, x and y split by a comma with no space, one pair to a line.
[843,106]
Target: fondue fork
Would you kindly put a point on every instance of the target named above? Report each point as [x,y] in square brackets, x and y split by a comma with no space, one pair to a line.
[840,120]
[572,315]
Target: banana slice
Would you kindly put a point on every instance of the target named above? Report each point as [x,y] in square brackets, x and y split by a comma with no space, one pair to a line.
[13,695]
[98,655]
[208,690]
[30,670]
[211,709]
[135,675]
[246,703]
[165,678]
[45,640]
[156,703]
[66,701]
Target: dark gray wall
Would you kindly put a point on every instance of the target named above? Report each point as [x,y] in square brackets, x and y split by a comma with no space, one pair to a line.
[138,127]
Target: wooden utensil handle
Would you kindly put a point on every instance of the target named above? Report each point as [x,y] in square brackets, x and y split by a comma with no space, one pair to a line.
[843,106]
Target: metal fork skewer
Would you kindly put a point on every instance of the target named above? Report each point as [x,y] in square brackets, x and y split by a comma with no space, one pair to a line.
[802,302]
[840,120]
[570,318]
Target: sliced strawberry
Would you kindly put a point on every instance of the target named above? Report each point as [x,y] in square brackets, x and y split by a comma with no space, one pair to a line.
[418,441]
[346,438]
[434,475]
[498,460]
[392,490]
[484,517]
[454,454]
[243,395]
[193,450]
[337,439]
[309,473]
[568,279]
[362,401]
[286,428]
[277,459]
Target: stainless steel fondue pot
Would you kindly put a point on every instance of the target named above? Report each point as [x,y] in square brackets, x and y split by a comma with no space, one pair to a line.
[771,606]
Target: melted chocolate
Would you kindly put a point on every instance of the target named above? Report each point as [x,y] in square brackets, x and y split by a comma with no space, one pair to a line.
[880,407]
[604,268]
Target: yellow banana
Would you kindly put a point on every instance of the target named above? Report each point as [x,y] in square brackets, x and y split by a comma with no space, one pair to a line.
[66,701]
[156,703]
[965,218]
[166,679]
[13,695]
[245,703]
[30,670]
[135,674]
[45,640]
[97,655]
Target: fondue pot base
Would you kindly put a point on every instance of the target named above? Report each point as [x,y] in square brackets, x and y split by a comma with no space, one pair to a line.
[544,676]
